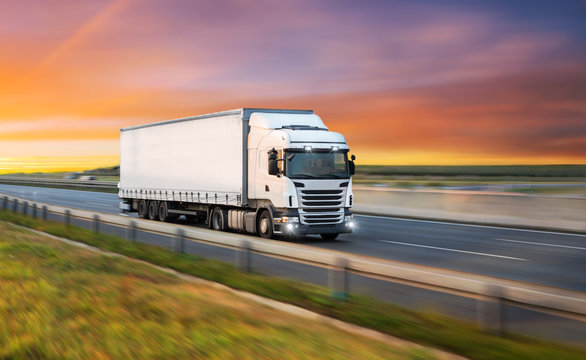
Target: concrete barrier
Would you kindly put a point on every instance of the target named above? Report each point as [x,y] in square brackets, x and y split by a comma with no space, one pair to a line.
[556,213]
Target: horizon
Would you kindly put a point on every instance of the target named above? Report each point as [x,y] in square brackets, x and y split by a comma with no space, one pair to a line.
[410,84]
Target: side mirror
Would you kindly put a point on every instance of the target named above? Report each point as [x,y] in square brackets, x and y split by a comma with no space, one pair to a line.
[351,165]
[273,167]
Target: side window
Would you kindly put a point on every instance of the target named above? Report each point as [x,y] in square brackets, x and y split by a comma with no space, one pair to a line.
[264,160]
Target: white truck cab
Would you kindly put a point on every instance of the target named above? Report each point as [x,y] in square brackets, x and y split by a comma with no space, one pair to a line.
[303,169]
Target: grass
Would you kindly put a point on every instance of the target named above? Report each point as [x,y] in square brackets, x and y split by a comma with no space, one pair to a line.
[576,171]
[62,302]
[425,328]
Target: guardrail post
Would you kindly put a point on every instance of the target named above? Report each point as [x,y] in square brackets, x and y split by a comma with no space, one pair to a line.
[34,211]
[338,278]
[24,207]
[5,204]
[67,218]
[45,212]
[131,231]
[179,241]
[96,224]
[14,205]
[490,313]
[243,256]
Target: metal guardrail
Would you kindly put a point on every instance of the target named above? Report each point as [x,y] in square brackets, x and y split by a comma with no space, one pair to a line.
[490,292]
[17,180]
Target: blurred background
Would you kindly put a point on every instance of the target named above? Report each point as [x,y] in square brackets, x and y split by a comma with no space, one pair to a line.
[408,83]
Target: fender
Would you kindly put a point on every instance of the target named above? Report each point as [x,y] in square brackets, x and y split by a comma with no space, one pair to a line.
[266,206]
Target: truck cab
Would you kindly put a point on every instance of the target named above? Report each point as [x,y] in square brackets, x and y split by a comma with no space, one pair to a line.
[299,172]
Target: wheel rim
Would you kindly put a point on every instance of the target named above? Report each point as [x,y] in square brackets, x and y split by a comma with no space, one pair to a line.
[264,225]
[162,213]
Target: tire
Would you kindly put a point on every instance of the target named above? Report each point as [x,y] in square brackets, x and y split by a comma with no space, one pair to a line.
[329,236]
[143,210]
[265,225]
[218,220]
[163,213]
[153,210]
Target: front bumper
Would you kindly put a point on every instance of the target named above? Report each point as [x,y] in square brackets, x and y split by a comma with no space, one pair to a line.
[301,229]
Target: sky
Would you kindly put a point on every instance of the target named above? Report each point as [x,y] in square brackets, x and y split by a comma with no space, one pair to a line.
[407,82]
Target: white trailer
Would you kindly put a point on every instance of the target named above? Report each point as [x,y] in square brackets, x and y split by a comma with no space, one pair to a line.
[229,169]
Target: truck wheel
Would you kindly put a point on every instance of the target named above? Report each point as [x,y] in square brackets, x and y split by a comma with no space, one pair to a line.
[265,225]
[153,210]
[163,211]
[143,210]
[218,220]
[329,236]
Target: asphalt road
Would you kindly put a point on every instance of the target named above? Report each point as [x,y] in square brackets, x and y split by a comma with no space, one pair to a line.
[548,258]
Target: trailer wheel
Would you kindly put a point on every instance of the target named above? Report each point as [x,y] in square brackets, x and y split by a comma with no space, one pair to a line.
[265,225]
[329,236]
[143,210]
[163,211]
[218,220]
[153,210]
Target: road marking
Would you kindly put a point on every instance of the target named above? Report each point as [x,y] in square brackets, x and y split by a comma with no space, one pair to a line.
[101,204]
[454,250]
[469,225]
[543,244]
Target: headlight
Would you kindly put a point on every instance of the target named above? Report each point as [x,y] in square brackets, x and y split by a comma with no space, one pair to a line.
[348,218]
[289,227]
[287,219]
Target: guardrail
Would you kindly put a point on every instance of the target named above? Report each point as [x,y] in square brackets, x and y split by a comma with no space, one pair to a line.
[491,293]
[89,184]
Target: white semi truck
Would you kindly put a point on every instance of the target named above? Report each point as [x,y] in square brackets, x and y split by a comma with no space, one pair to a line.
[260,171]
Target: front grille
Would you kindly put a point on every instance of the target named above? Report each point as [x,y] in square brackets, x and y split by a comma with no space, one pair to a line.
[321,207]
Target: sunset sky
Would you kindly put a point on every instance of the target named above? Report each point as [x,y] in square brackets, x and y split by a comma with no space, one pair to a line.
[407,82]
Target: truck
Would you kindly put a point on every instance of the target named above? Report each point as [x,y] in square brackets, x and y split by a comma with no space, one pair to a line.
[269,172]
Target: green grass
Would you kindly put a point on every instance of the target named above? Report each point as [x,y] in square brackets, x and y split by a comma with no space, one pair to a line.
[488,170]
[58,301]
[426,328]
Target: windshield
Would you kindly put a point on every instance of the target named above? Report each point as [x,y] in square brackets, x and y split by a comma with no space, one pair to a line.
[316,165]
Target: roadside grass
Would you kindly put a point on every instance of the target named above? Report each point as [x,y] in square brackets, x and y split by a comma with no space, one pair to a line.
[560,190]
[58,301]
[578,171]
[422,327]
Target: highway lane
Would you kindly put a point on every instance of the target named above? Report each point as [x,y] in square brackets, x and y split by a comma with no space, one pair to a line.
[549,258]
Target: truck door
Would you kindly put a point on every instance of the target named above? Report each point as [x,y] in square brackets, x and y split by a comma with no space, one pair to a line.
[269,187]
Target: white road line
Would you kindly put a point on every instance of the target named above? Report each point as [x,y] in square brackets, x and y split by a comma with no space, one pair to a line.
[543,244]
[469,225]
[454,250]
[100,204]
